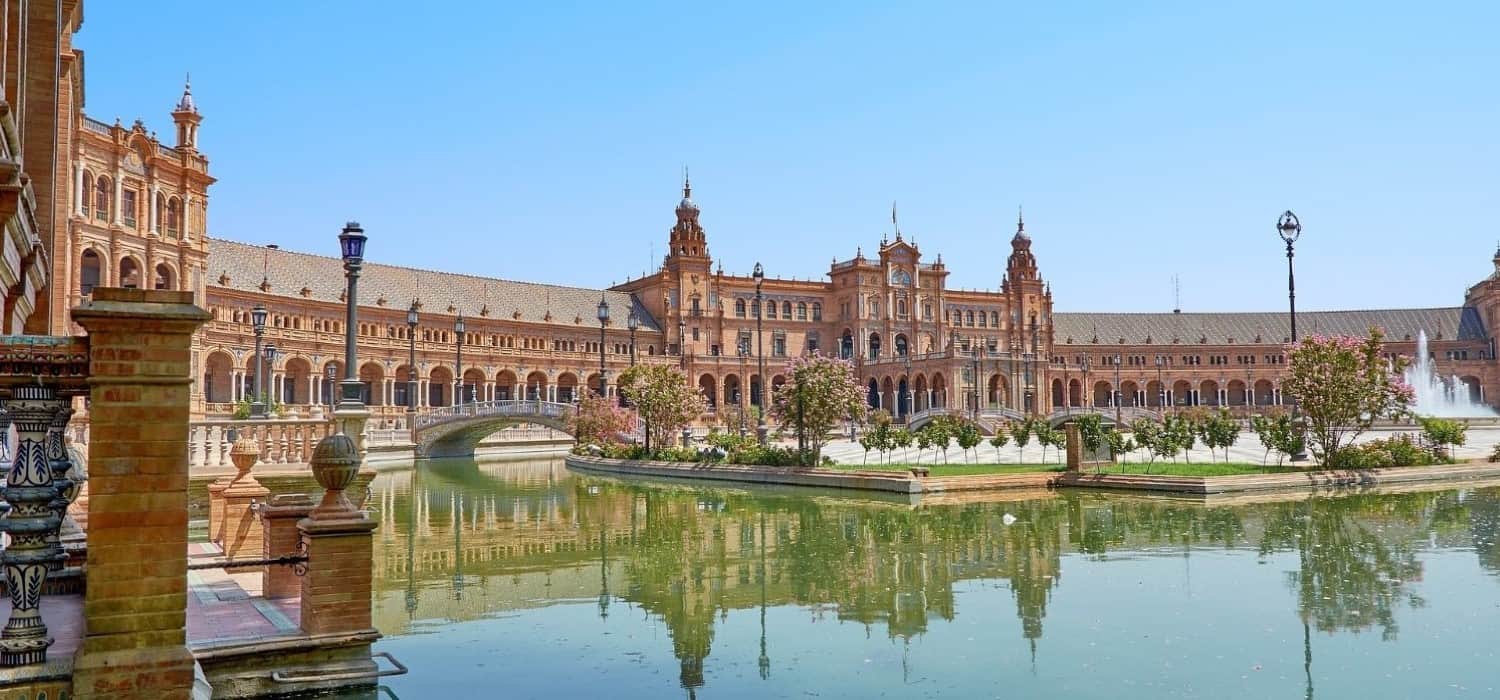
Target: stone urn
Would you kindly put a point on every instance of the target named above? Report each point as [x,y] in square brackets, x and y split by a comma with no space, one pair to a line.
[335,464]
[243,454]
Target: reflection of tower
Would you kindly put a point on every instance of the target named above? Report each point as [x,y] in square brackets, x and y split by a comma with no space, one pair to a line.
[1307,657]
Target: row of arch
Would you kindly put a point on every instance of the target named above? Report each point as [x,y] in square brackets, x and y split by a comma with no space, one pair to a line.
[128,273]
[741,306]
[295,381]
[874,345]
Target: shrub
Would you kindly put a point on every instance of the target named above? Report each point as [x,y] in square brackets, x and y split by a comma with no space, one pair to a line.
[1495,454]
[1342,385]
[1396,451]
[1277,432]
[772,456]
[1441,433]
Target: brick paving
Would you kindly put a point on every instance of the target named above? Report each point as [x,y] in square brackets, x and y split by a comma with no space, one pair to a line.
[226,604]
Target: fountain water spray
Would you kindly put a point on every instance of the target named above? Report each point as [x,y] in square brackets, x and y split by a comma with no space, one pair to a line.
[1435,395]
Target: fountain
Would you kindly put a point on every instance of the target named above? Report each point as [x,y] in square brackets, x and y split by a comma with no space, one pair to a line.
[1444,397]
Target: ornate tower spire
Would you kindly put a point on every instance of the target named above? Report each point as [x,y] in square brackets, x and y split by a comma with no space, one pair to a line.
[186,117]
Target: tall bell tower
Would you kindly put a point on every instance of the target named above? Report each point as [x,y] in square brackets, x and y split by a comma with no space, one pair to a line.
[685,274]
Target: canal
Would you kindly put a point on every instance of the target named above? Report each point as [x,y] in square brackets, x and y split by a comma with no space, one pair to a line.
[524,580]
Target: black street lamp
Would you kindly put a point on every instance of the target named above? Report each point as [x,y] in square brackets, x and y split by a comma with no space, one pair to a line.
[603,321]
[258,321]
[459,327]
[632,322]
[744,352]
[352,246]
[332,373]
[270,393]
[977,351]
[1289,227]
[1161,389]
[1118,393]
[760,351]
[411,357]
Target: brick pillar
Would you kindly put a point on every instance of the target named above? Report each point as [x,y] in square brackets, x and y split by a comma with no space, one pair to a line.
[135,602]
[337,588]
[280,537]
[240,535]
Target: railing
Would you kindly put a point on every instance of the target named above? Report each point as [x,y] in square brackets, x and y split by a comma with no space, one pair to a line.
[519,408]
[281,441]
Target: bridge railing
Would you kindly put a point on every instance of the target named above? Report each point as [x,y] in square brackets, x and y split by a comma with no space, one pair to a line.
[518,408]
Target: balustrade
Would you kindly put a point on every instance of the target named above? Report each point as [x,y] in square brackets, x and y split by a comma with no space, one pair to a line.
[281,441]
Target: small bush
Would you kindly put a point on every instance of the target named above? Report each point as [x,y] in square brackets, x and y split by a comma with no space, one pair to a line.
[1396,451]
[1495,454]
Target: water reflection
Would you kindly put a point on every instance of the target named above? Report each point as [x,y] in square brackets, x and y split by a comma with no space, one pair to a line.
[462,541]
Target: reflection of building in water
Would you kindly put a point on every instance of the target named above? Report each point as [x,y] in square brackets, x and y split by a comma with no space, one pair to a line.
[506,537]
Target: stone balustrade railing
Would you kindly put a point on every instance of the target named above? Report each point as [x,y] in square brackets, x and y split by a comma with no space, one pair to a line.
[282,441]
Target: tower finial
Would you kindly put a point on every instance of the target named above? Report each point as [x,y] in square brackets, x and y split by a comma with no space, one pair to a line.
[687,184]
[894,224]
[1020,219]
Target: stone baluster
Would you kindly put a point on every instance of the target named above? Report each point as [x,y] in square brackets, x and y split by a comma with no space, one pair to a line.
[287,455]
[221,446]
[60,464]
[30,523]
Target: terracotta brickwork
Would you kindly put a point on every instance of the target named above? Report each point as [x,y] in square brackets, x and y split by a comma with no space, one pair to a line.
[135,600]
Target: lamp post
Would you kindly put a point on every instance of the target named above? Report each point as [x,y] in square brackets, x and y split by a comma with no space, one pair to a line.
[1289,227]
[603,321]
[459,327]
[1161,389]
[352,246]
[1085,364]
[632,322]
[760,354]
[332,373]
[1118,393]
[258,321]
[976,352]
[270,394]
[744,352]
[411,357]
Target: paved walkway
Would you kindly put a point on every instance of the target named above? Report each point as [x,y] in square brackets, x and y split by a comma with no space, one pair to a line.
[226,604]
[1481,441]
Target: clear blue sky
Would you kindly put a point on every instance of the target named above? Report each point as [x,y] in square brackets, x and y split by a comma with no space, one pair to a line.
[545,141]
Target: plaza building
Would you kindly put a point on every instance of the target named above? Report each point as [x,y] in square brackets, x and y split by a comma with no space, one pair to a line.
[137,216]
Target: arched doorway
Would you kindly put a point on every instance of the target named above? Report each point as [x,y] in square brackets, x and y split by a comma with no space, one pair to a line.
[846,345]
[165,278]
[1265,394]
[1237,395]
[1182,393]
[536,386]
[1130,394]
[874,346]
[872,394]
[888,396]
[999,391]
[567,387]
[372,376]
[939,391]
[733,394]
[923,399]
[1103,394]
[901,349]
[1155,394]
[91,274]
[401,391]
[1057,393]
[474,385]
[218,378]
[298,382]
[130,273]
[1208,393]
[1075,393]
[440,387]
[710,391]
[903,397]
[505,385]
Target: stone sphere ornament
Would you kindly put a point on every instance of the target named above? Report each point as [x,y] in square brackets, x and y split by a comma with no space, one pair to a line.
[335,464]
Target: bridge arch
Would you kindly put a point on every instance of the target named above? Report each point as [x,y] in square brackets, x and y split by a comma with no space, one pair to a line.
[454,431]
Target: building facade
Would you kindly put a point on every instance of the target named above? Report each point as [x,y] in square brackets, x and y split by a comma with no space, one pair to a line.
[136,214]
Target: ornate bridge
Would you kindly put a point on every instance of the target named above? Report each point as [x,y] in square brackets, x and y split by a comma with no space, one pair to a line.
[453,431]
[1128,414]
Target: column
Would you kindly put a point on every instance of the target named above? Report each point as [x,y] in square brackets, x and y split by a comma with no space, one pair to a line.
[151,208]
[78,188]
[135,595]
[115,205]
[489,390]
[312,389]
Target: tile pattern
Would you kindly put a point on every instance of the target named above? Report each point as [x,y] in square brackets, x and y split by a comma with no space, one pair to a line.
[1449,323]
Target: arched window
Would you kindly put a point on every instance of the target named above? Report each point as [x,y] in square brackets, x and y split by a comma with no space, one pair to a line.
[983,320]
[969,318]
[995,319]
[89,275]
[900,308]
[739,308]
[786,309]
[101,197]
[817,311]
[770,309]
[174,216]
[130,273]
[801,311]
[161,209]
[87,194]
[165,279]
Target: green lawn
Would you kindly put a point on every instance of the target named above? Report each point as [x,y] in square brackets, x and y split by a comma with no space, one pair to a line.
[955,468]
[1193,469]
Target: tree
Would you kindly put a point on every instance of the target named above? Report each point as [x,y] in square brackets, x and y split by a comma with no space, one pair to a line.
[1020,431]
[941,435]
[902,438]
[1148,434]
[1048,436]
[998,442]
[1441,433]
[819,392]
[1342,385]
[1090,432]
[1179,434]
[1219,430]
[969,438]
[600,421]
[1277,432]
[924,441]
[663,398]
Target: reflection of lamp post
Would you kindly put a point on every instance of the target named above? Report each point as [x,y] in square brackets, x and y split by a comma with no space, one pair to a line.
[352,245]
[759,276]
[603,321]
[258,321]
[765,659]
[1290,229]
[459,327]
[411,351]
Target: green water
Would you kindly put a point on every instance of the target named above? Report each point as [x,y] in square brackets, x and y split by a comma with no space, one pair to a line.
[523,580]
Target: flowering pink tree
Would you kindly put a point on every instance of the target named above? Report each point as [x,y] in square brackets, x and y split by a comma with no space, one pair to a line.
[663,398]
[600,421]
[819,392]
[1342,385]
